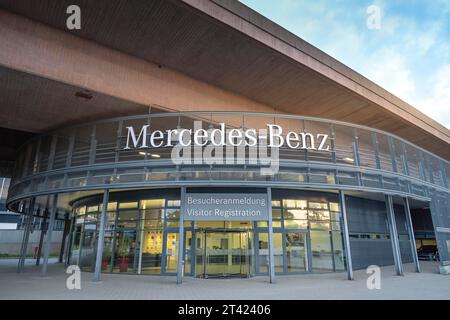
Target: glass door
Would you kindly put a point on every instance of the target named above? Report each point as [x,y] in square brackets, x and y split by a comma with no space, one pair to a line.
[223,254]
[125,251]
[296,253]
[263,252]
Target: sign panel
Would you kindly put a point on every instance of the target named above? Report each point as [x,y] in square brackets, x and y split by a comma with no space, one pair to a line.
[225,207]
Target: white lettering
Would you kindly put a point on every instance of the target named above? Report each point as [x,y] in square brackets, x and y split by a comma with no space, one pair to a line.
[142,134]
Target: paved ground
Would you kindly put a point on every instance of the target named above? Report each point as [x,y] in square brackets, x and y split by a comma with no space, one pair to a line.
[30,285]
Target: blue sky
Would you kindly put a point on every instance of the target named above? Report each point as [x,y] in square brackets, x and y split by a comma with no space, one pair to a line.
[408,56]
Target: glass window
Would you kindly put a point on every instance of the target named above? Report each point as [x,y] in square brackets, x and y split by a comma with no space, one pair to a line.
[261,224]
[319,214]
[334,206]
[263,252]
[173,203]
[318,205]
[319,225]
[171,252]
[151,251]
[128,205]
[296,260]
[384,152]
[366,150]
[82,146]
[399,156]
[343,144]
[87,257]
[80,210]
[128,215]
[295,224]
[152,214]
[172,213]
[92,217]
[106,136]
[335,216]
[276,203]
[153,223]
[338,251]
[125,251]
[152,203]
[276,214]
[295,214]
[413,161]
[292,203]
[92,209]
[335,225]
[318,130]
[61,149]
[322,257]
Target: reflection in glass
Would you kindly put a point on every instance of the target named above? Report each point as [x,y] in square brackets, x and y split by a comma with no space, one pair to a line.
[263,252]
[171,252]
[339,262]
[296,260]
[322,257]
[125,251]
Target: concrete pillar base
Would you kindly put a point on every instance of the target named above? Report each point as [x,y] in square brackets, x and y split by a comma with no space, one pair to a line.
[444,269]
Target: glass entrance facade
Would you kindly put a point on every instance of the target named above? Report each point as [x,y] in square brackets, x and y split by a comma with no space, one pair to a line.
[224,253]
[142,236]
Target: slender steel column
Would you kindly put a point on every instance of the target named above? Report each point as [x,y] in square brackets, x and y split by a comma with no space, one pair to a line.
[412,239]
[180,266]
[345,234]
[41,237]
[63,240]
[394,235]
[69,242]
[43,231]
[101,236]
[26,235]
[48,237]
[271,254]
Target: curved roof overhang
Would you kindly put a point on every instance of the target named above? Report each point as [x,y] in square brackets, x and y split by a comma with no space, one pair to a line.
[232,47]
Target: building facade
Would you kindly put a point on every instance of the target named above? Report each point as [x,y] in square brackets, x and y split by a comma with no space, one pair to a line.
[235,150]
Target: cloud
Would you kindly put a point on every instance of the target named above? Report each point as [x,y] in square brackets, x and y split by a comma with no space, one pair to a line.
[390,69]
[409,56]
[437,104]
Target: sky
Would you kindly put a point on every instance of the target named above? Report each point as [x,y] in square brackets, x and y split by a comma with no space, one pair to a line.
[406,53]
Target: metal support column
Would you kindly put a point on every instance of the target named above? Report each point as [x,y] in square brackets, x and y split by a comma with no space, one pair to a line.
[345,234]
[43,231]
[48,237]
[26,235]
[394,235]
[64,236]
[70,242]
[101,236]
[412,239]
[41,238]
[271,254]
[180,266]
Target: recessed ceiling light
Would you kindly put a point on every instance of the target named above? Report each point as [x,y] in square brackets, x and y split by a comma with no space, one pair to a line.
[84,94]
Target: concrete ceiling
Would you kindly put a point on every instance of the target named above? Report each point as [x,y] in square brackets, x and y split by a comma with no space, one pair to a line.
[35,103]
[176,35]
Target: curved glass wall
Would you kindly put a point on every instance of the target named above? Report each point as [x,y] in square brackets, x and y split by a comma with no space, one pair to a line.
[93,155]
[142,234]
